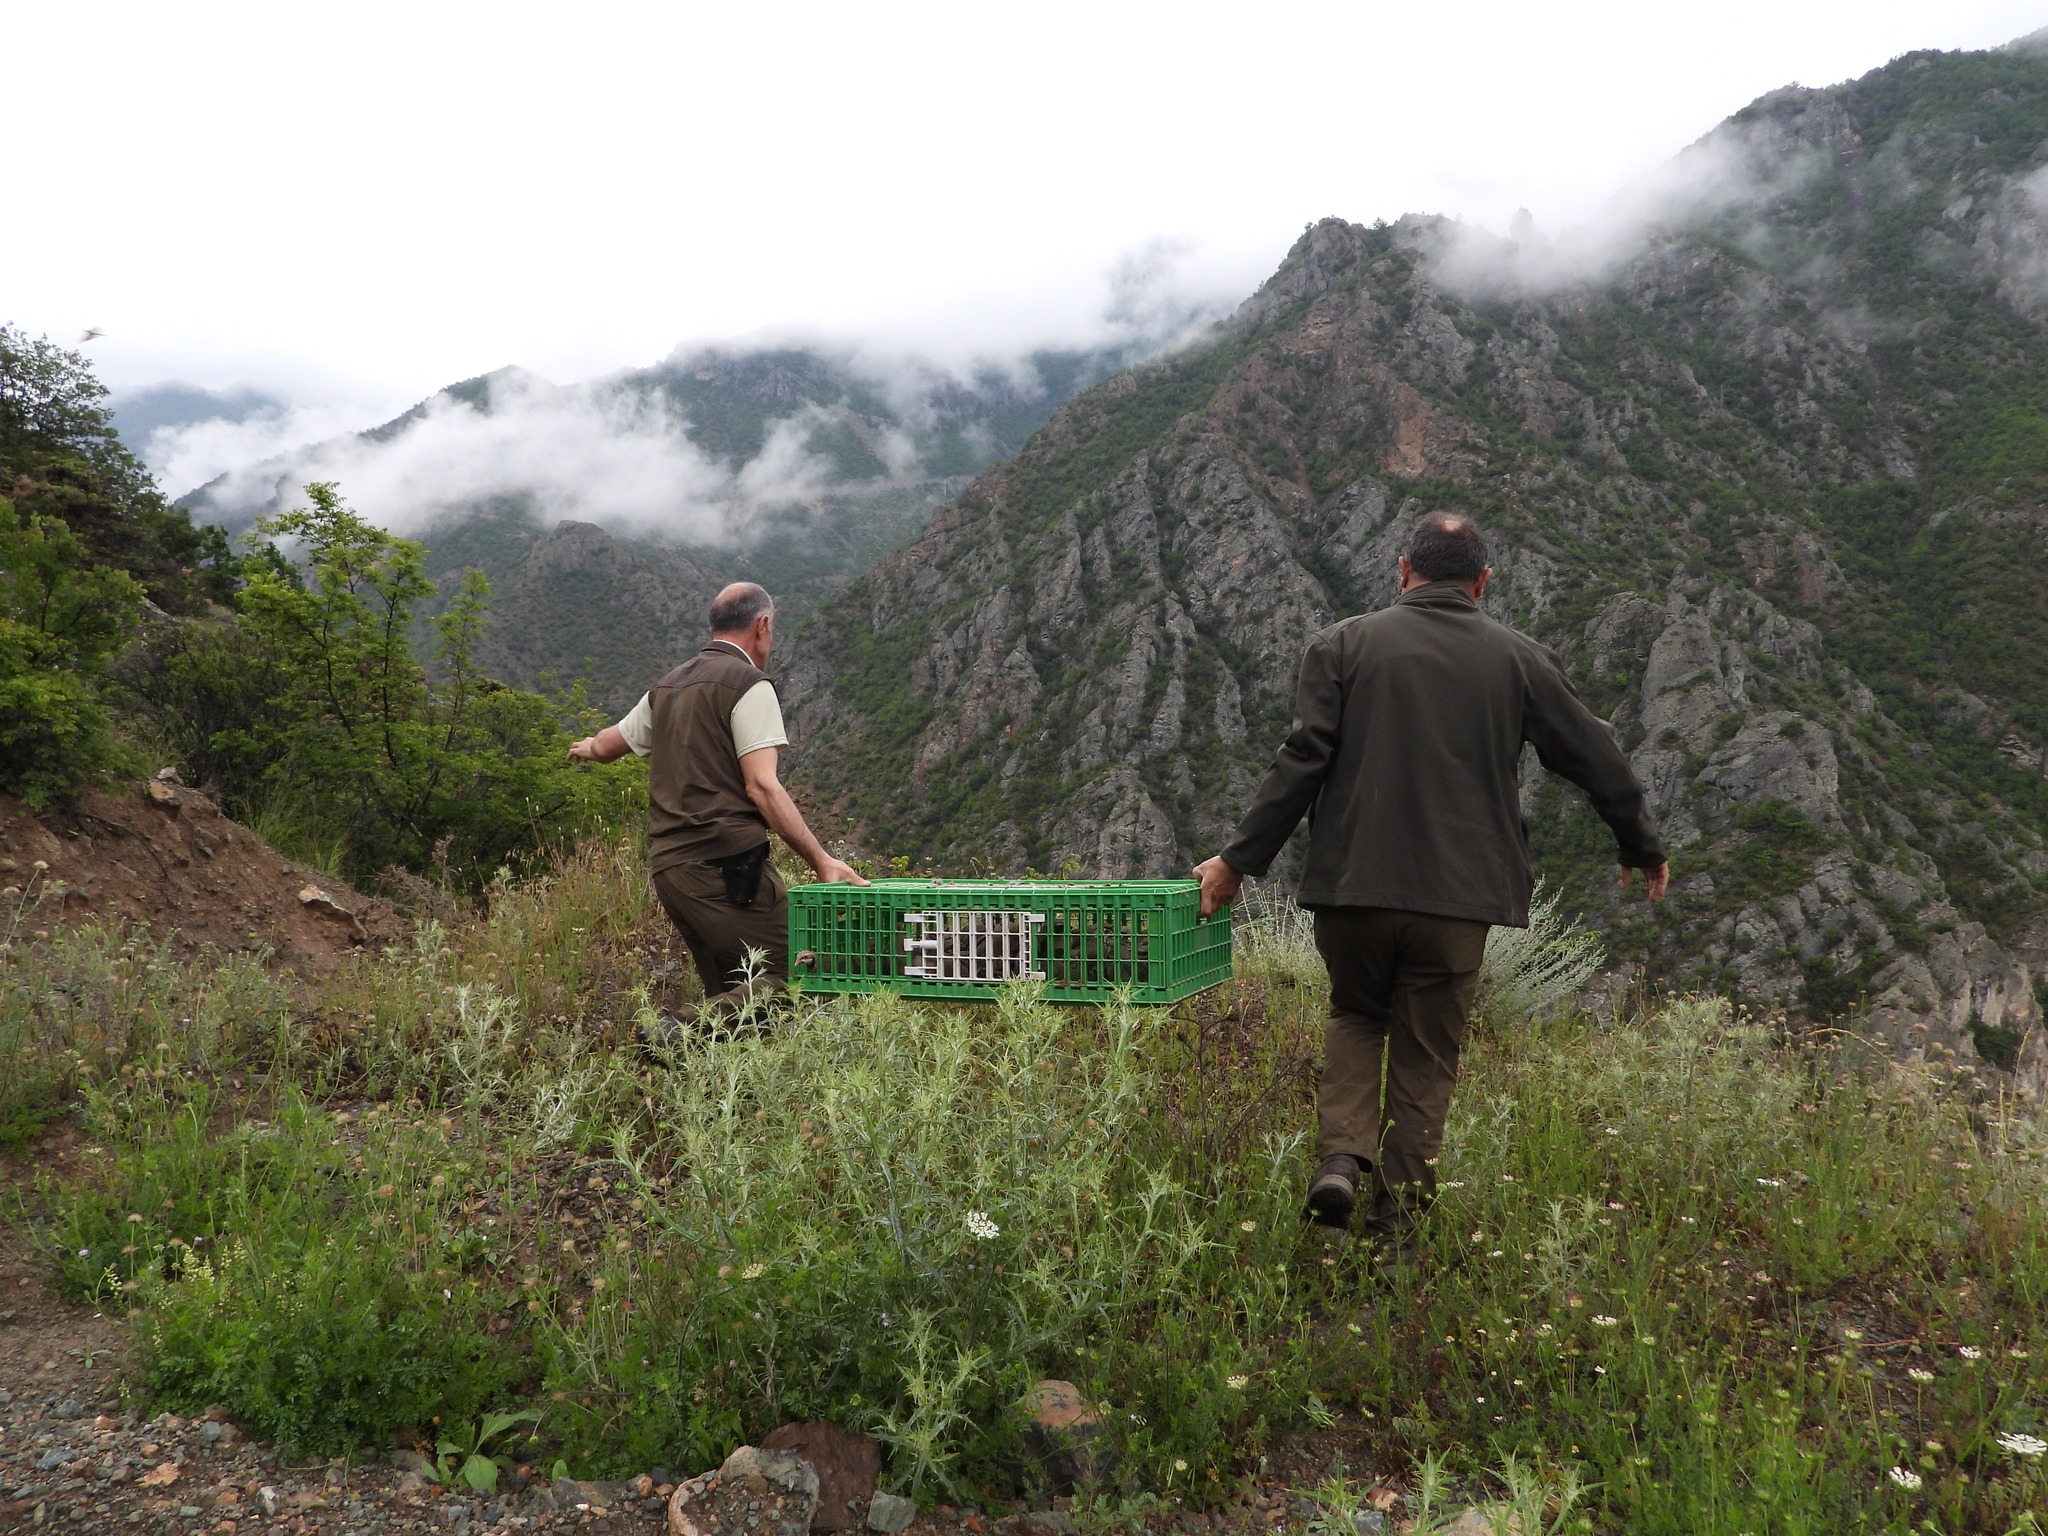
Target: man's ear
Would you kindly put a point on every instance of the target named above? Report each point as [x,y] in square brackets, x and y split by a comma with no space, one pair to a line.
[1407,572]
[1479,586]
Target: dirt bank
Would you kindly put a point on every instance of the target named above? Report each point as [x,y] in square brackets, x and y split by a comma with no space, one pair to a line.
[163,854]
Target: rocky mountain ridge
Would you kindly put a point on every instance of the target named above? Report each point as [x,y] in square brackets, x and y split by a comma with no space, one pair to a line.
[1768,471]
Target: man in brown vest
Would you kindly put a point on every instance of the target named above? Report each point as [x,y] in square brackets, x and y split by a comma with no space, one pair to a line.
[712,728]
[1405,754]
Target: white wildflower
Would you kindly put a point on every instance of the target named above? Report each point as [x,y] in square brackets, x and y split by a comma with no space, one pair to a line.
[753,1271]
[1970,1352]
[980,1225]
[1247,1226]
[1237,1383]
[2023,1445]
[1602,1320]
[1772,1183]
[1905,1477]
[1919,1375]
[1179,1465]
[1452,1184]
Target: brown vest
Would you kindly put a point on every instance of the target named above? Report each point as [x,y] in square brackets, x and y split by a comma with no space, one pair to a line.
[697,805]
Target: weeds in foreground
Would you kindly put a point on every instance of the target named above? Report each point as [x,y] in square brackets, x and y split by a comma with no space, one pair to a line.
[1684,1276]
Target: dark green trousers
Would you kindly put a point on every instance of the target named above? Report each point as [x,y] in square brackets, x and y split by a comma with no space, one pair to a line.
[719,934]
[1401,990]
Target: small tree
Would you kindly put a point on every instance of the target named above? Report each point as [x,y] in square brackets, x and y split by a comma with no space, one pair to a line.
[312,713]
[62,618]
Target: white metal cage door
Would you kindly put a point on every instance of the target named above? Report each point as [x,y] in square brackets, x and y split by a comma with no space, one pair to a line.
[975,947]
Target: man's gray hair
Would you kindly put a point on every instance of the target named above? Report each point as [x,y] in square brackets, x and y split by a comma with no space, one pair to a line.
[736,608]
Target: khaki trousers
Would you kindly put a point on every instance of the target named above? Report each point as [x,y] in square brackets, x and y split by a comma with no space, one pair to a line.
[719,934]
[1401,989]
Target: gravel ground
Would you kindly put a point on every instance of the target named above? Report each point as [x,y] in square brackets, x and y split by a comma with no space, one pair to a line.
[74,1457]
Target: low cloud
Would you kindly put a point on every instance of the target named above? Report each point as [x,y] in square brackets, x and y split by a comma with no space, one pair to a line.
[595,456]
[1733,180]
[186,455]
[616,452]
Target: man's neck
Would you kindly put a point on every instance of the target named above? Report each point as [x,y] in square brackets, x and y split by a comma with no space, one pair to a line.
[736,646]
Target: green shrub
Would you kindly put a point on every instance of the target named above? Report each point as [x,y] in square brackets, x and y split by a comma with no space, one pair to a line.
[313,717]
[895,1216]
[61,620]
[322,1310]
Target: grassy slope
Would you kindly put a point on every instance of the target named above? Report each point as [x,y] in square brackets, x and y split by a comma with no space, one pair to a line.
[1726,1278]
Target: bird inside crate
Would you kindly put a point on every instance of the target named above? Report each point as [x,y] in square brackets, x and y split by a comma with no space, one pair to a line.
[973,946]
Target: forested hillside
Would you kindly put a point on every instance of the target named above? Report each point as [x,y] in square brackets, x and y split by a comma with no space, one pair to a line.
[1769,469]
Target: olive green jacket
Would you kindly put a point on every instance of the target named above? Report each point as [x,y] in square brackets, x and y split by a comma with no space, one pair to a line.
[1405,754]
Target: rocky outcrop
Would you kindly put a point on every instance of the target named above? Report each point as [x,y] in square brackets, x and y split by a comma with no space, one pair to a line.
[1704,474]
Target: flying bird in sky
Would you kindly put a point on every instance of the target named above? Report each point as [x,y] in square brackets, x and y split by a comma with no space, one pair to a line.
[93,333]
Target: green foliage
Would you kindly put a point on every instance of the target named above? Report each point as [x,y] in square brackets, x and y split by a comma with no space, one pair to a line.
[977,1223]
[311,713]
[61,458]
[1779,851]
[62,617]
[321,1315]
[462,1456]
[1995,1043]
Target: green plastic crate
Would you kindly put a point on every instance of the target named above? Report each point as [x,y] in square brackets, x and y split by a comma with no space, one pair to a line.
[965,938]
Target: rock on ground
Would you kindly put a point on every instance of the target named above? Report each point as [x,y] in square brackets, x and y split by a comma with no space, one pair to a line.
[757,1492]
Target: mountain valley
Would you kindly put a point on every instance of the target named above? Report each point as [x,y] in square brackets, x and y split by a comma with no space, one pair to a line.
[1769,470]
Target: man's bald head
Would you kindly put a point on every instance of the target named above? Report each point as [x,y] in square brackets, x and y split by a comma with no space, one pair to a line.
[1447,546]
[739,607]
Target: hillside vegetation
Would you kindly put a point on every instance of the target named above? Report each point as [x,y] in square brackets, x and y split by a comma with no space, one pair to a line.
[292,686]
[1766,468]
[1687,1275]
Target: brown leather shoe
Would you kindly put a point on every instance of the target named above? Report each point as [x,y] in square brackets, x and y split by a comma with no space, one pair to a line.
[1333,1192]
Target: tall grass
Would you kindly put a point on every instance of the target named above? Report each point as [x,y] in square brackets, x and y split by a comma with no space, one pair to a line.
[1685,1275]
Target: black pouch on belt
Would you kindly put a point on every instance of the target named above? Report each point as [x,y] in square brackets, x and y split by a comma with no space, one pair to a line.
[742,873]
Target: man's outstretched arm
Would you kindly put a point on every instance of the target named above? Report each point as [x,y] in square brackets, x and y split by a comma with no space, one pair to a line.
[774,803]
[607,746]
[1290,786]
[1572,741]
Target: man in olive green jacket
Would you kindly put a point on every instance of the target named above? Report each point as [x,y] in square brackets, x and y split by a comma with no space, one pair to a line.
[1405,754]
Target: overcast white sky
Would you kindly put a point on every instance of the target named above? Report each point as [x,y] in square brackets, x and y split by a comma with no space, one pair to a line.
[358,203]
